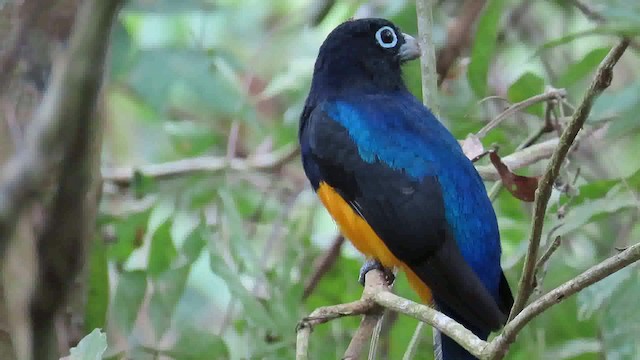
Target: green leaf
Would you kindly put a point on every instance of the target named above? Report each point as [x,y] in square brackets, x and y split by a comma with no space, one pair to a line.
[615,200]
[484,46]
[98,286]
[195,344]
[527,85]
[582,68]
[162,250]
[191,138]
[121,50]
[571,349]
[130,232]
[240,246]
[193,245]
[595,296]
[142,184]
[620,324]
[91,347]
[253,309]
[186,83]
[130,292]
[600,188]
[168,288]
[608,29]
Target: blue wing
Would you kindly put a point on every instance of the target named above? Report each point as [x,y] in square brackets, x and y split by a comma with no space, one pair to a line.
[406,175]
[400,132]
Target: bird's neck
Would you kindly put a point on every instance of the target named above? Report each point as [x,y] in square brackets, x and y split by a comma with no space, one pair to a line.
[337,79]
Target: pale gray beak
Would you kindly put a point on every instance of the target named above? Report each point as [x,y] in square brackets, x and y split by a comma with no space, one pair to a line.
[410,49]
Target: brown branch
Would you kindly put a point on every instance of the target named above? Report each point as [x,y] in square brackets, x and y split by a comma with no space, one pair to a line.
[60,138]
[551,94]
[498,347]
[377,293]
[438,320]
[601,81]
[374,281]
[322,265]
[595,16]
[458,36]
[27,14]
[520,159]
[427,55]
[124,176]
[362,336]
[410,352]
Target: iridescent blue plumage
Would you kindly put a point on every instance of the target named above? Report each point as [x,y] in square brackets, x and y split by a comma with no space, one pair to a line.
[396,129]
[367,138]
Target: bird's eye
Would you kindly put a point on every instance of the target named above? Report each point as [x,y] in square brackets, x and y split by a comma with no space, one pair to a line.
[386,37]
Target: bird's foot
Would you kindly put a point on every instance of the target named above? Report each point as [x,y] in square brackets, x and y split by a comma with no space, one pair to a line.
[373,264]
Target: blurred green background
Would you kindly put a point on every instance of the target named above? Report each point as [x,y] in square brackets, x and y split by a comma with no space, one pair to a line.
[213,265]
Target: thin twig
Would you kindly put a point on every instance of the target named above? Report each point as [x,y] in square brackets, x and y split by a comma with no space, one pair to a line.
[27,14]
[498,347]
[550,94]
[531,155]
[374,281]
[377,293]
[375,337]
[424,12]
[541,265]
[547,254]
[362,336]
[595,16]
[601,81]
[322,265]
[520,159]
[458,36]
[410,352]
[438,320]
[125,175]
[528,142]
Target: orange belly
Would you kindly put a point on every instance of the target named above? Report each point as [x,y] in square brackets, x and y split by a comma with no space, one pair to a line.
[362,236]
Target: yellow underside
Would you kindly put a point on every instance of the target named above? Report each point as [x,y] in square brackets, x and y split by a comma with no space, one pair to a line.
[362,236]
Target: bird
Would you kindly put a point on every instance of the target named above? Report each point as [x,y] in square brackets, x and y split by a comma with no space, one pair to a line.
[397,182]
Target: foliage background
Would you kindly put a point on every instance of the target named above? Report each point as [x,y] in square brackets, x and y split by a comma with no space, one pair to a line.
[214,264]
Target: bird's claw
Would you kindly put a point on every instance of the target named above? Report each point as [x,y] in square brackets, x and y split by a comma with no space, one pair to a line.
[302,324]
[373,264]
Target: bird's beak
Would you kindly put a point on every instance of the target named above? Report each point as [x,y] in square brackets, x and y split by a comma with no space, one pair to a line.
[410,49]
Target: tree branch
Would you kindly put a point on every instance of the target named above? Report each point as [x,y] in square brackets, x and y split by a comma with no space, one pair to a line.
[27,14]
[61,150]
[601,81]
[123,176]
[28,172]
[362,336]
[595,16]
[377,293]
[428,55]
[322,265]
[436,319]
[500,344]
[457,37]
[551,94]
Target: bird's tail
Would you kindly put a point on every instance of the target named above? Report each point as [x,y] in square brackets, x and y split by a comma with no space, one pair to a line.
[446,348]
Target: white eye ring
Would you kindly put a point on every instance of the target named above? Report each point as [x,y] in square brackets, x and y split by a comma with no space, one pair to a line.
[381,42]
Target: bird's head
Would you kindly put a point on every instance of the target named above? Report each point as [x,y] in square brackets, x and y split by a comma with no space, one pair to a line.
[364,54]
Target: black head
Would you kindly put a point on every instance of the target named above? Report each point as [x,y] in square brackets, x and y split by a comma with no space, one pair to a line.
[363,55]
